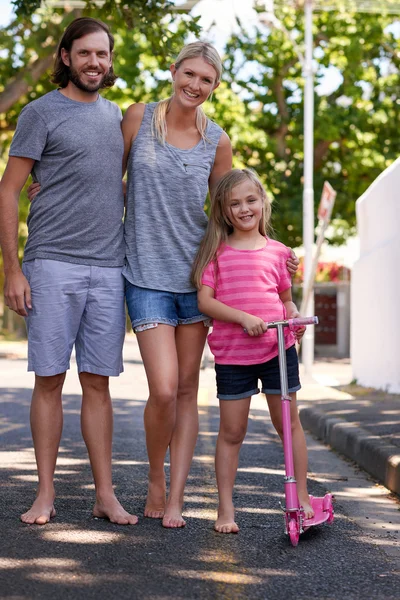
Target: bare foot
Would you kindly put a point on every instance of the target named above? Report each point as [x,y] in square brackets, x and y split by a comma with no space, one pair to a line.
[109,508]
[173,518]
[226,523]
[40,513]
[305,504]
[156,499]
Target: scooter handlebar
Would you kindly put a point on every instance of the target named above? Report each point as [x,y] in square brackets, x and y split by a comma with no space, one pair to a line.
[302,322]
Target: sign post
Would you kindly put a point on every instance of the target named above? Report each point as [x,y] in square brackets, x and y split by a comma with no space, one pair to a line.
[324,216]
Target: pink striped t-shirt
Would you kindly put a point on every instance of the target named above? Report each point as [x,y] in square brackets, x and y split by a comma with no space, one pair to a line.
[249,280]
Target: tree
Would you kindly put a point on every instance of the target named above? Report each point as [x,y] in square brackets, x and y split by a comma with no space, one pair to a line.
[356,125]
[148,34]
[29,43]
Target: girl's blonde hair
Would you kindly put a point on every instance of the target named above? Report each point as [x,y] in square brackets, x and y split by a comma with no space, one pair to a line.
[219,226]
[205,51]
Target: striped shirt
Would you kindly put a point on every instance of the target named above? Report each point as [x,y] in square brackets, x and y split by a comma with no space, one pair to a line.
[249,280]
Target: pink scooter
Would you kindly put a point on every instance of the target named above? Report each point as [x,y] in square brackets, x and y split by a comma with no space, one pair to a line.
[295,522]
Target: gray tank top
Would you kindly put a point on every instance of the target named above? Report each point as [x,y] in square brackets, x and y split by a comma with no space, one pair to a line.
[165,219]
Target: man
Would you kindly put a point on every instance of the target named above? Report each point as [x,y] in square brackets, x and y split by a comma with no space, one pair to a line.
[70,288]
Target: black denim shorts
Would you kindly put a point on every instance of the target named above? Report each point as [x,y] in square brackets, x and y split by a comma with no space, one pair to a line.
[235,382]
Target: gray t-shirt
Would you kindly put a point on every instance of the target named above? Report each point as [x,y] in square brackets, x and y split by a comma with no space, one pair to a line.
[165,219]
[78,149]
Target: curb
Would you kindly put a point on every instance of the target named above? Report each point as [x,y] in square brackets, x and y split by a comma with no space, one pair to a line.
[378,458]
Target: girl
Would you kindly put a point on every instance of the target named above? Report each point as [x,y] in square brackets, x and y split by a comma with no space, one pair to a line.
[243,281]
[174,153]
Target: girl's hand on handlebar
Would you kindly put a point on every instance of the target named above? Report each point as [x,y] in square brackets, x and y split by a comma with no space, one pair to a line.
[298,332]
[253,326]
[33,190]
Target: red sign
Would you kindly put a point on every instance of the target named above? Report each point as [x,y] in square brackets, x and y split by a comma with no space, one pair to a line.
[327,201]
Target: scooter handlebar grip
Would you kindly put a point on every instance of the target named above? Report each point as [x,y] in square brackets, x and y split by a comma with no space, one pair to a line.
[302,321]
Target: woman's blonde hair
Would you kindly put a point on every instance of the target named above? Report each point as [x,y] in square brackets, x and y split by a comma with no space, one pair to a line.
[219,226]
[205,51]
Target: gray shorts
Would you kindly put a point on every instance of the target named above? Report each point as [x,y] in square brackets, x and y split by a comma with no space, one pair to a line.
[75,304]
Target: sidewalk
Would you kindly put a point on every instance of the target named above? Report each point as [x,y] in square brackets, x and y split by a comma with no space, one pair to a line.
[363,424]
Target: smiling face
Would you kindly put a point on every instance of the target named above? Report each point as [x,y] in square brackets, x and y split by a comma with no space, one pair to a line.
[89,61]
[194,80]
[244,208]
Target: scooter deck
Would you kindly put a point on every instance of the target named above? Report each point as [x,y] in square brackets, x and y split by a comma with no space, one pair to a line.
[321,512]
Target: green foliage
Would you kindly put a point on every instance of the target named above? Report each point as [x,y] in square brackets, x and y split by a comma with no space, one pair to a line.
[148,35]
[260,100]
[353,141]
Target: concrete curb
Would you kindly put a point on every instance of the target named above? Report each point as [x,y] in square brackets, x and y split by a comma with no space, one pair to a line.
[380,459]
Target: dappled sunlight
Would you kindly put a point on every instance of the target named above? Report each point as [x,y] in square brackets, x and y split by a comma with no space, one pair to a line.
[128,403]
[200,499]
[23,459]
[234,577]
[83,578]
[261,511]
[208,433]
[205,459]
[201,513]
[81,536]
[29,478]
[366,494]
[49,562]
[130,463]
[263,470]
[250,442]
[217,556]
[367,540]
[68,577]
[6,426]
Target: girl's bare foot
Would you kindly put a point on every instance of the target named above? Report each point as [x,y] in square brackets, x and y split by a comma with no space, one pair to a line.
[305,504]
[41,511]
[156,498]
[226,525]
[109,508]
[173,517]
[226,520]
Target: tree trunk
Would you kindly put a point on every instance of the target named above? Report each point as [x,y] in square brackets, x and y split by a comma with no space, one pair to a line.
[21,83]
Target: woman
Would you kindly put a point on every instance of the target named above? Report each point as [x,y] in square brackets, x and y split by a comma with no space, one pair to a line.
[174,154]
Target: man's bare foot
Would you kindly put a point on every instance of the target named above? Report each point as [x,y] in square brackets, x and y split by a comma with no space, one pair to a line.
[109,508]
[40,513]
[156,499]
[173,518]
[226,523]
[305,504]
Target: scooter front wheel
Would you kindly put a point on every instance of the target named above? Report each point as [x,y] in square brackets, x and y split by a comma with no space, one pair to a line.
[294,533]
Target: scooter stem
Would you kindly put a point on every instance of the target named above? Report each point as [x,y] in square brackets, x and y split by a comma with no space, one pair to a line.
[292,502]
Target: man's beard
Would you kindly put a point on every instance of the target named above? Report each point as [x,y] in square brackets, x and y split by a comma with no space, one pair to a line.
[89,88]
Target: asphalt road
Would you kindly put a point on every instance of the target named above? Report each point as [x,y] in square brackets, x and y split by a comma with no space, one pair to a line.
[78,557]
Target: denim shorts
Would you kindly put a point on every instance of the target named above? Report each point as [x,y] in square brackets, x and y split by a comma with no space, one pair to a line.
[77,305]
[148,308]
[235,382]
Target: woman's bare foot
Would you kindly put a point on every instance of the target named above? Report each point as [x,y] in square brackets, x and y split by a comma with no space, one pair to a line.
[109,508]
[41,511]
[156,498]
[173,517]
[305,504]
[226,523]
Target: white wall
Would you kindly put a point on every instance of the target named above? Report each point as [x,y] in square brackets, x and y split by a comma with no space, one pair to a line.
[375,285]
